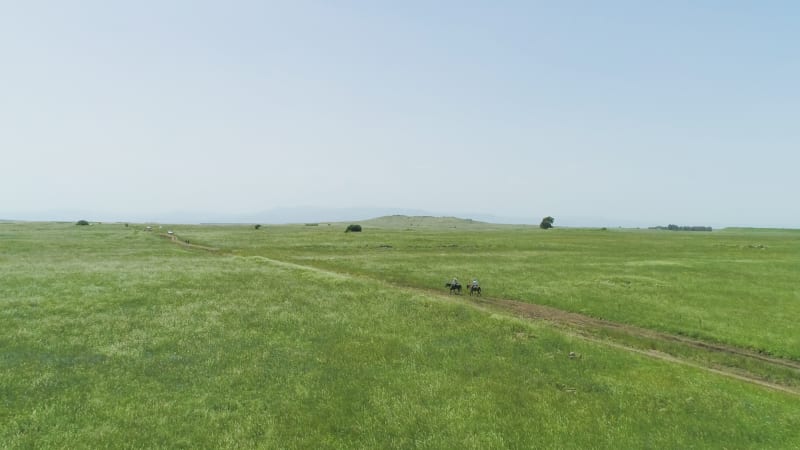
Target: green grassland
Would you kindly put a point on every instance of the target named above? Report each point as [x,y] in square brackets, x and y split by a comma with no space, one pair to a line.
[308,337]
[738,287]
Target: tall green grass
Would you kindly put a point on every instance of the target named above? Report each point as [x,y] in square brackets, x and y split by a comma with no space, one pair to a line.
[736,287]
[115,337]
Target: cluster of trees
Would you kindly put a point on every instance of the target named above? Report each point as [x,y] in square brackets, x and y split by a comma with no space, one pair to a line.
[672,227]
[547,223]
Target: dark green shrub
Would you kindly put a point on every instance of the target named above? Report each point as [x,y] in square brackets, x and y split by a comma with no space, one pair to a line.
[82,222]
[353,228]
[257,227]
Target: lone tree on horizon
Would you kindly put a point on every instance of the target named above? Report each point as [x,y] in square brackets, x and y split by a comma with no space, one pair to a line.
[547,223]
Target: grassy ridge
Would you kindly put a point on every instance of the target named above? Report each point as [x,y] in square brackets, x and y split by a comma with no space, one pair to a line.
[116,337]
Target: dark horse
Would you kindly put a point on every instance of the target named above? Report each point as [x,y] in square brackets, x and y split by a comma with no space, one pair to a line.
[454,287]
[475,290]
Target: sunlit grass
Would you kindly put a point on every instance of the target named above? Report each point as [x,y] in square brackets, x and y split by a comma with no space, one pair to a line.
[123,339]
[736,287]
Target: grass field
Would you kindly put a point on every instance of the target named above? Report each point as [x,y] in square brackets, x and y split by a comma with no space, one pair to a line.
[736,287]
[309,337]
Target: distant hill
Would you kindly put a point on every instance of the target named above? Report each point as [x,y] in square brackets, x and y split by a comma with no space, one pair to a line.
[306,214]
[411,222]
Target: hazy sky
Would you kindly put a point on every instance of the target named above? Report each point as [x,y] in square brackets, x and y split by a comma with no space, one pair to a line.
[651,112]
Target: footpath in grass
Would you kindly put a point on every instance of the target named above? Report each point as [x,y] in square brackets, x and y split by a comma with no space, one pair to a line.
[132,341]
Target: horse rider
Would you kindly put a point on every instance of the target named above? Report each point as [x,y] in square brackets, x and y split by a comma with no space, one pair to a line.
[454,283]
[475,283]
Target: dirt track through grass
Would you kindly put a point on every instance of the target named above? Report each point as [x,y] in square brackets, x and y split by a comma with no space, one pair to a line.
[586,326]
[589,328]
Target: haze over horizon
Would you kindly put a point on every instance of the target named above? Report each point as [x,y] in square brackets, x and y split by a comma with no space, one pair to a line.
[598,114]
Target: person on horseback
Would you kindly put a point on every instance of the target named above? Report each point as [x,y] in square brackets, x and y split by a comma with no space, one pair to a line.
[454,282]
[474,287]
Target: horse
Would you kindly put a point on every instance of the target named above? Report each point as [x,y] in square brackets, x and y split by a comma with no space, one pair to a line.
[454,287]
[475,290]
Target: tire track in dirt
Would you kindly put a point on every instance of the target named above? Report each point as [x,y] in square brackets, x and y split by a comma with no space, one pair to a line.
[177,241]
[584,326]
[531,310]
[675,360]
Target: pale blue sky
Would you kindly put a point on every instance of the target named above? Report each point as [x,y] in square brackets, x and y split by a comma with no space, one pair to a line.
[617,112]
